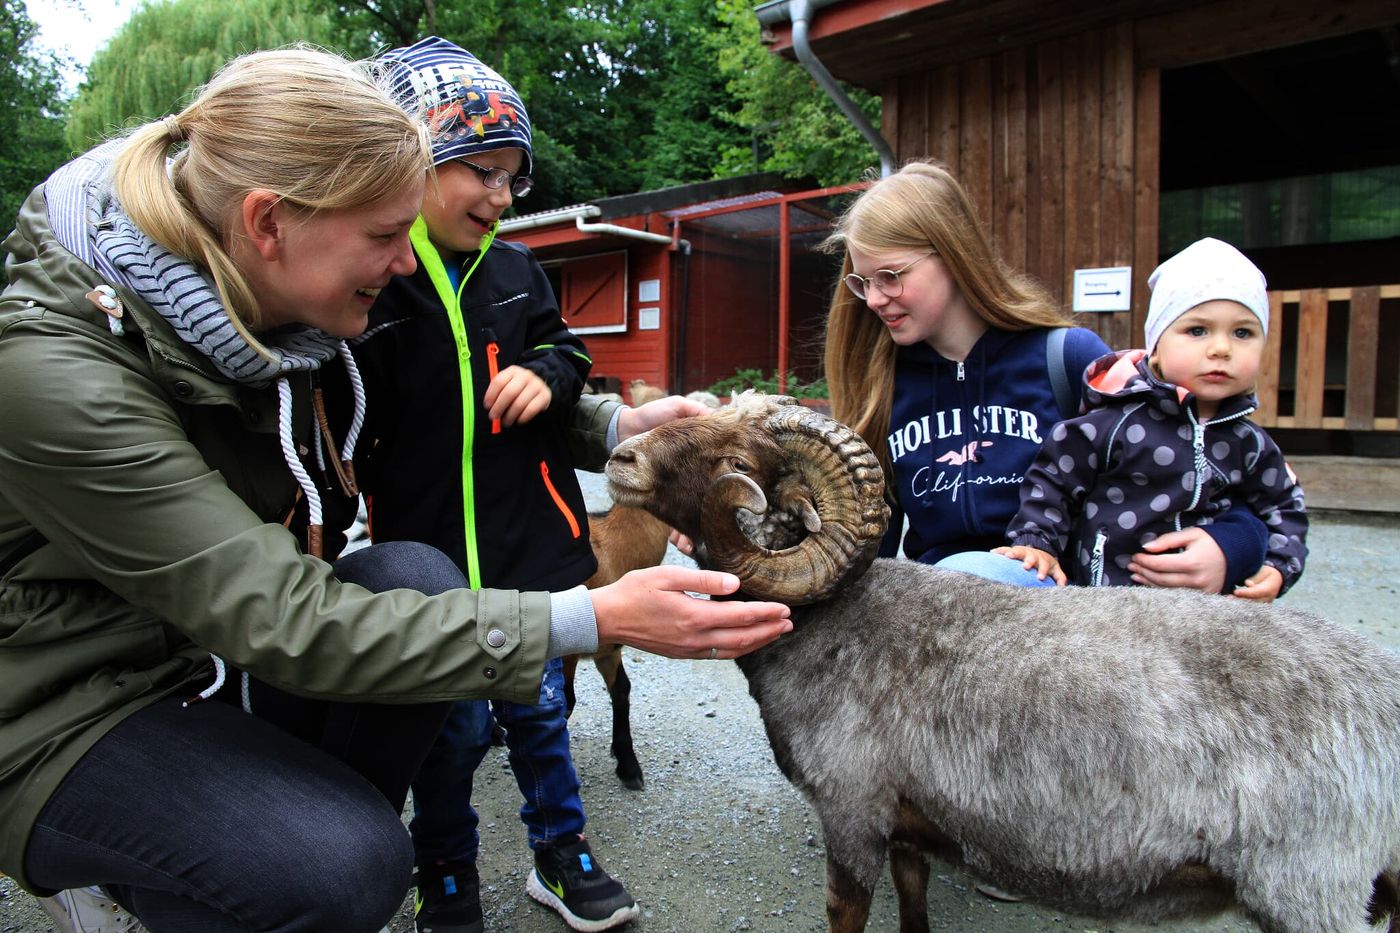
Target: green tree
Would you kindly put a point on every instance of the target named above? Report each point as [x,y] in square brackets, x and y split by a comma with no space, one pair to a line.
[363,28]
[689,125]
[557,54]
[625,95]
[169,48]
[629,95]
[31,110]
[789,124]
[591,74]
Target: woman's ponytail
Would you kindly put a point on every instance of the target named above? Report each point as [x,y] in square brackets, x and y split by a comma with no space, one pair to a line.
[316,130]
[148,187]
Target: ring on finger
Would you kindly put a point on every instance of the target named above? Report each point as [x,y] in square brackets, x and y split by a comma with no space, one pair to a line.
[714,653]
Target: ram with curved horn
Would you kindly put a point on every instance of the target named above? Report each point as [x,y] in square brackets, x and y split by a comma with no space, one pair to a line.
[827,515]
[1112,752]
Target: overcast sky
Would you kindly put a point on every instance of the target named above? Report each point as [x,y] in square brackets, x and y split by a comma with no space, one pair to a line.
[77,28]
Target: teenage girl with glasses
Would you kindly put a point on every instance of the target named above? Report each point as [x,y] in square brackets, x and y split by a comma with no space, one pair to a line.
[942,359]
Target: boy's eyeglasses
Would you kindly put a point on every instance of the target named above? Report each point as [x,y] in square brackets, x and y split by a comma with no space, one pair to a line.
[886,280]
[520,185]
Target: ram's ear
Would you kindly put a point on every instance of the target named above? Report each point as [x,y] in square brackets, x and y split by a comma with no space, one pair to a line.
[745,493]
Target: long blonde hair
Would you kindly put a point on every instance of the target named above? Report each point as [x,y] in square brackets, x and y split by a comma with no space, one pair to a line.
[310,126]
[920,207]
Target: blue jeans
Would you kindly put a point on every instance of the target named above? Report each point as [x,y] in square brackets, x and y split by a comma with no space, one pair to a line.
[993,567]
[444,825]
[206,818]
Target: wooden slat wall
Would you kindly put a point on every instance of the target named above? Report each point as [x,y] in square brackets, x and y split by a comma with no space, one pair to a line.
[1312,357]
[1048,142]
[1307,381]
[1271,366]
[1363,341]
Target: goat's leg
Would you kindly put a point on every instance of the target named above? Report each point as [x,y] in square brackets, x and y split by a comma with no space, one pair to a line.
[629,769]
[570,666]
[909,869]
[847,900]
[1304,896]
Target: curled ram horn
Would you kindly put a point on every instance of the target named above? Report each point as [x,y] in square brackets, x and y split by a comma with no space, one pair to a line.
[838,493]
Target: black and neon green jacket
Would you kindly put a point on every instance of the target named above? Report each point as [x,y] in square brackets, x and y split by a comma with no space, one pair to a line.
[503,502]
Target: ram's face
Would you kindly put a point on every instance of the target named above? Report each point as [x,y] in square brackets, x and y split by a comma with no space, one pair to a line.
[669,470]
[788,500]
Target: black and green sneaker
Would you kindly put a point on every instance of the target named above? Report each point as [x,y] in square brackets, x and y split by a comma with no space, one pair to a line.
[448,899]
[568,878]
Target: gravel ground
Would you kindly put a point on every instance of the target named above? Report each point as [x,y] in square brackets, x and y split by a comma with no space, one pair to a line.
[719,841]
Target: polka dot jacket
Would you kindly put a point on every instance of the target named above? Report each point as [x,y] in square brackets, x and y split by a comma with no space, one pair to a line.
[1139,464]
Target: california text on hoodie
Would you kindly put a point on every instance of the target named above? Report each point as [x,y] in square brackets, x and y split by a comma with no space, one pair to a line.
[963,433]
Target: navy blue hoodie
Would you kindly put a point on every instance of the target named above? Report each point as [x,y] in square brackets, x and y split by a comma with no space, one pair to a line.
[962,435]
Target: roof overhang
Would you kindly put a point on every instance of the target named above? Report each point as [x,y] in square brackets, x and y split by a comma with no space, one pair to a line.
[866,42]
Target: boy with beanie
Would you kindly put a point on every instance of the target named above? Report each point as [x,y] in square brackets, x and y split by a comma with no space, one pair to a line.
[473,374]
[1166,442]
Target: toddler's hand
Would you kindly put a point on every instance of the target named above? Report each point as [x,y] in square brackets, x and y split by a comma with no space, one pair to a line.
[682,543]
[1042,562]
[1199,565]
[1264,585]
[516,396]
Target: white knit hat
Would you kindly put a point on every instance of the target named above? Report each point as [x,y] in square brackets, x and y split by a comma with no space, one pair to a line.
[1207,270]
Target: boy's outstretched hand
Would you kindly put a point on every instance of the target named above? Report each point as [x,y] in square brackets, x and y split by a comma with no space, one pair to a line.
[1042,562]
[516,395]
[634,421]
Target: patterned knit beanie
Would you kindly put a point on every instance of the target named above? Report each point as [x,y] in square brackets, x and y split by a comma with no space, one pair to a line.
[468,107]
[1207,270]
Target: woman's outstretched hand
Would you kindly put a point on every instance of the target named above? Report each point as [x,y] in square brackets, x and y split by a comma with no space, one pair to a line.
[651,609]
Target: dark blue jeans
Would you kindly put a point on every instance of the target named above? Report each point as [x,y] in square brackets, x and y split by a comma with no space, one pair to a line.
[444,825]
[206,818]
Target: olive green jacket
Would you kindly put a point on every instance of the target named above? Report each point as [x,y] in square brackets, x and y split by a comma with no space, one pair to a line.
[146,494]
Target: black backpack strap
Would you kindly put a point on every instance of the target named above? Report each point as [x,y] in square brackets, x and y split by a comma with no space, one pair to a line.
[1059,376]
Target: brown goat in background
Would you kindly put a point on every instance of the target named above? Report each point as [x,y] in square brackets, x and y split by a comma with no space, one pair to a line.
[642,393]
[623,539]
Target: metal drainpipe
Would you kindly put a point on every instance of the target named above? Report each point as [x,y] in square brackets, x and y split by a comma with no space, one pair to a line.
[682,306]
[801,13]
[617,230]
[548,218]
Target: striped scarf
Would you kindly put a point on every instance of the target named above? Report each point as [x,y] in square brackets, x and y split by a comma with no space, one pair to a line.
[183,294]
[90,223]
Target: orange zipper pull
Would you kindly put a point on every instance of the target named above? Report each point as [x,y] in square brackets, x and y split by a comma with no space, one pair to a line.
[493,350]
[559,500]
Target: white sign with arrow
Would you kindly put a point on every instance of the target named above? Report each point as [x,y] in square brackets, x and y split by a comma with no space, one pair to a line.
[1103,289]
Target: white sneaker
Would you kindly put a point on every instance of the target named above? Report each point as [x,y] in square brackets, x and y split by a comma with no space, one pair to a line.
[88,910]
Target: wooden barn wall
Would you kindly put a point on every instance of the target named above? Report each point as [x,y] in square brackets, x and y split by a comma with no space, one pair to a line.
[732,309]
[637,354]
[1057,146]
